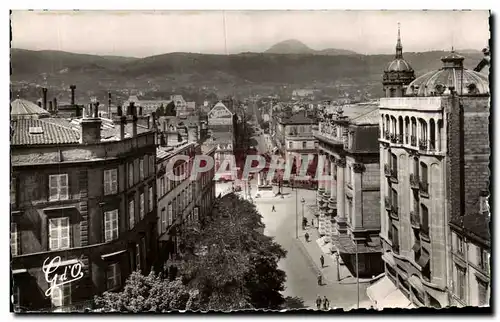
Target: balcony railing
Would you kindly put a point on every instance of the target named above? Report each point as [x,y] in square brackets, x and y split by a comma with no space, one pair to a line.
[406,138]
[386,135]
[415,219]
[414,181]
[424,187]
[422,144]
[393,138]
[432,145]
[413,140]
[388,204]
[399,138]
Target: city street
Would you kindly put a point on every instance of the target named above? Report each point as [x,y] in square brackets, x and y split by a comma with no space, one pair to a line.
[300,271]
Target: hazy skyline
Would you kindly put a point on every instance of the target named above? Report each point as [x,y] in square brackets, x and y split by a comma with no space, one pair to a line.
[146,33]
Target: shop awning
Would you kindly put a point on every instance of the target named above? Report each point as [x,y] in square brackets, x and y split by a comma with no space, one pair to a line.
[384,294]
[106,256]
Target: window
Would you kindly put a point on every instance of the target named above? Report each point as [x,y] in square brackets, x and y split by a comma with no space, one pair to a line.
[460,245]
[59,233]
[394,199]
[425,221]
[483,259]
[13,191]
[113,276]
[170,215]
[110,225]
[417,246]
[141,205]
[143,248]
[163,220]
[131,214]
[58,186]
[137,257]
[423,173]
[141,169]
[304,145]
[482,292]
[61,295]
[394,165]
[151,164]
[290,145]
[110,181]
[131,174]
[162,186]
[395,239]
[14,239]
[150,199]
[460,285]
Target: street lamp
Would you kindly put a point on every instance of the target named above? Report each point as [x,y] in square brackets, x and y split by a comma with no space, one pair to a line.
[296,211]
[337,257]
[302,201]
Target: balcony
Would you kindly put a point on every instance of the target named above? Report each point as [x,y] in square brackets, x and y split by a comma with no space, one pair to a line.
[422,145]
[388,204]
[393,138]
[414,181]
[406,138]
[415,219]
[413,139]
[387,170]
[394,211]
[424,188]
[386,135]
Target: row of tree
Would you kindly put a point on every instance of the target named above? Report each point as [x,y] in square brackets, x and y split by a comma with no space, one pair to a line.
[228,264]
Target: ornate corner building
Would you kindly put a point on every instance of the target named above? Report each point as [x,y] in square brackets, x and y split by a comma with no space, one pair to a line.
[434,159]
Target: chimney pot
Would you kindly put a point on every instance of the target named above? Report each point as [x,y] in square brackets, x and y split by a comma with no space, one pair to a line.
[44,98]
[91,131]
[96,110]
[50,107]
[119,111]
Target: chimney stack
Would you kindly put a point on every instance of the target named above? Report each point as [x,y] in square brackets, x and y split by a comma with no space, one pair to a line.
[39,103]
[119,111]
[123,122]
[50,107]
[109,105]
[44,98]
[96,110]
[72,87]
[55,104]
[140,110]
[134,120]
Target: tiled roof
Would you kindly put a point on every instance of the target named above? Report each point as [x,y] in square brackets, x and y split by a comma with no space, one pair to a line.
[51,133]
[21,108]
[63,131]
[475,224]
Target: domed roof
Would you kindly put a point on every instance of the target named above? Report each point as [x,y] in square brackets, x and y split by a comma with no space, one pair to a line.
[451,76]
[398,65]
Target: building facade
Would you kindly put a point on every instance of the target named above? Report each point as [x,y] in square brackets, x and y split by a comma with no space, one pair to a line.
[182,203]
[348,204]
[434,155]
[82,198]
[222,122]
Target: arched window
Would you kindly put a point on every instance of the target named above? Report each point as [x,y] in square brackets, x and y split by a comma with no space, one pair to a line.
[400,134]
[413,131]
[432,140]
[407,129]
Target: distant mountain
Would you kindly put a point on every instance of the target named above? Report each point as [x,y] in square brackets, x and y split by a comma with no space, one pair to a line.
[294,46]
[248,72]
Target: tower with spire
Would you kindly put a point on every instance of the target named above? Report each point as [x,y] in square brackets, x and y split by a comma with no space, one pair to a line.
[398,74]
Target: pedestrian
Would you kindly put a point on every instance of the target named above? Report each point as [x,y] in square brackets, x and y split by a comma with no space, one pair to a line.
[318,302]
[326,303]
[320,279]
[312,222]
[307,237]
[274,209]
[322,261]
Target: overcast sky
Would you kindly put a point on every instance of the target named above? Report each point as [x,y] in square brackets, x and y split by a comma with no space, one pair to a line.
[145,33]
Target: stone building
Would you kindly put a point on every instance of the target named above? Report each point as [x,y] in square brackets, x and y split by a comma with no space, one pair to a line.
[349,217]
[434,156]
[83,194]
[181,203]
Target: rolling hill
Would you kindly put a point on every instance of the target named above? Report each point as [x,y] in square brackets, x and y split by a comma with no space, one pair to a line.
[294,46]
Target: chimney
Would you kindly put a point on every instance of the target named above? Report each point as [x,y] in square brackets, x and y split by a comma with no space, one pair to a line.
[123,122]
[55,105]
[109,105]
[39,103]
[119,111]
[140,110]
[72,87]
[44,98]
[134,120]
[50,107]
[91,127]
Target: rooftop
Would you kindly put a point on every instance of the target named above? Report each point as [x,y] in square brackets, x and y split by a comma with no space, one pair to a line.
[49,131]
[298,118]
[21,108]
